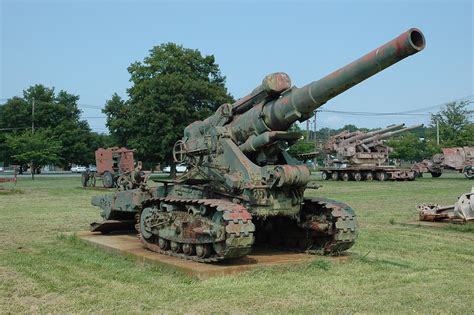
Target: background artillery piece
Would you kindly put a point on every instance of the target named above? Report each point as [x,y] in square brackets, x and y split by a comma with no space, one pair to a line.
[364,155]
[460,159]
[114,166]
[242,187]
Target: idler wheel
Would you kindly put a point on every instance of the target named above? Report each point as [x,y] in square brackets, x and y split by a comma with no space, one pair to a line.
[203,250]
[189,249]
[164,244]
[325,175]
[176,247]
[145,215]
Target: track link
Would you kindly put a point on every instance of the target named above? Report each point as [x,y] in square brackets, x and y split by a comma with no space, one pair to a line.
[345,224]
[325,226]
[236,219]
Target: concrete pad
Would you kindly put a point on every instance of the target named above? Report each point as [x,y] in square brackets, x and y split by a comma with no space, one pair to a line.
[129,244]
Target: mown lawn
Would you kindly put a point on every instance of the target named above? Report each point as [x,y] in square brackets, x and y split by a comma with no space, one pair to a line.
[396,268]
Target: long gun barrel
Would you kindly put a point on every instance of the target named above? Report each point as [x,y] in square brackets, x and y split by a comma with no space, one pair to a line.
[298,104]
[389,134]
[373,133]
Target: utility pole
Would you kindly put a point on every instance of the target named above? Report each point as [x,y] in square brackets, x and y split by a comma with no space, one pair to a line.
[315,140]
[307,130]
[437,131]
[33,117]
[32,132]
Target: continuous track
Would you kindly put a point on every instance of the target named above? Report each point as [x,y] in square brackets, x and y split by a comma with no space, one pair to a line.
[236,219]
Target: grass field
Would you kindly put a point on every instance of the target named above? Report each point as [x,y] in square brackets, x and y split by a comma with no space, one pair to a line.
[396,268]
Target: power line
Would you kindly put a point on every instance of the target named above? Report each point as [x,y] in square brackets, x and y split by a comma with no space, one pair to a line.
[5,129]
[369,113]
[413,112]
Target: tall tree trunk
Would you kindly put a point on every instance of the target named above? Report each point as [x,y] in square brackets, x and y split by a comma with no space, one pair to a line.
[32,168]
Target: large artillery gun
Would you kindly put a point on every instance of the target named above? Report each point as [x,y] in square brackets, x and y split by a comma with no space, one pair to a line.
[364,155]
[459,159]
[242,187]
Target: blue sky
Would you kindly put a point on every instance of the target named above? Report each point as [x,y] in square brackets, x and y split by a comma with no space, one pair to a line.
[84,47]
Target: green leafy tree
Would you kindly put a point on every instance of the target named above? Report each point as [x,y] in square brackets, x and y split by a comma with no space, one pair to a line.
[171,88]
[407,147]
[37,149]
[58,113]
[455,125]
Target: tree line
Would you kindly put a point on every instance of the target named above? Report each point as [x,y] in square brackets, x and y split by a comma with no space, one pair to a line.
[172,87]
[44,127]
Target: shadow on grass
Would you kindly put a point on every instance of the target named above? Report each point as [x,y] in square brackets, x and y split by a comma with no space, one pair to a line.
[383,263]
[466,228]
[446,226]
[11,191]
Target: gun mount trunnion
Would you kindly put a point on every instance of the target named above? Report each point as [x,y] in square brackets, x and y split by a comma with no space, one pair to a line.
[242,187]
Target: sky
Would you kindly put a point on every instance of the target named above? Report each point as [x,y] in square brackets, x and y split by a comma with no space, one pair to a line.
[85,47]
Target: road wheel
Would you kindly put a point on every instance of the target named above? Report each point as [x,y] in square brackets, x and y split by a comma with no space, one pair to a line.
[381,176]
[436,174]
[345,176]
[468,172]
[164,244]
[369,176]
[85,179]
[176,247]
[335,175]
[189,249]
[203,250]
[108,180]
[357,176]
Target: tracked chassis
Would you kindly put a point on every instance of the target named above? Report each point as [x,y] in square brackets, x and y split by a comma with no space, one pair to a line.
[242,187]
[213,230]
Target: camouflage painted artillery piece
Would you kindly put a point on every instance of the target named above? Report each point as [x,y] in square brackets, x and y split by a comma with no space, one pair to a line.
[461,212]
[460,159]
[242,187]
[364,156]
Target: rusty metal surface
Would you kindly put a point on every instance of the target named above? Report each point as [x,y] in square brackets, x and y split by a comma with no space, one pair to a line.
[461,211]
[128,244]
[114,160]
[115,167]
[458,158]
[12,179]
